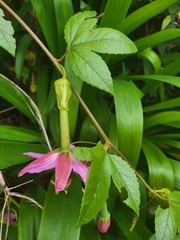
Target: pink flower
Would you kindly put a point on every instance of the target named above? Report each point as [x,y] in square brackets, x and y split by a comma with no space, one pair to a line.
[103,223]
[12,218]
[63,162]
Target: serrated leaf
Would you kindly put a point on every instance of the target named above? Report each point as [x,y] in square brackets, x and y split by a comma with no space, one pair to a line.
[90,68]
[82,40]
[104,40]
[83,153]
[102,168]
[6,35]
[174,201]
[97,187]
[76,23]
[124,176]
[166,224]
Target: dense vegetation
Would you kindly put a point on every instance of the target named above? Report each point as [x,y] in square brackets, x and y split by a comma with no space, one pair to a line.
[104,76]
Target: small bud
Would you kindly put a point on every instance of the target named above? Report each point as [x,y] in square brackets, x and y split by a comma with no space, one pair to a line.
[63,92]
[103,223]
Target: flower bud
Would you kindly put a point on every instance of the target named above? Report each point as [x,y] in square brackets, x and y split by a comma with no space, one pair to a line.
[63,92]
[103,223]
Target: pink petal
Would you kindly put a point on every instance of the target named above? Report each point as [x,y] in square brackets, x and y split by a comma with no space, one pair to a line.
[103,225]
[33,154]
[45,162]
[80,168]
[12,218]
[72,146]
[62,170]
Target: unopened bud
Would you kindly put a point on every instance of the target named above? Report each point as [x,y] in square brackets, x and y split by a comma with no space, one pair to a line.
[63,92]
[103,223]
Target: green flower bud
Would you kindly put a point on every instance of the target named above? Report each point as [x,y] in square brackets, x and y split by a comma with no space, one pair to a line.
[63,92]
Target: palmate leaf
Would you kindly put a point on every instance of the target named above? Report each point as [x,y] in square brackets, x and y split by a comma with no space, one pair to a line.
[91,68]
[167,220]
[97,187]
[166,224]
[103,167]
[82,39]
[6,31]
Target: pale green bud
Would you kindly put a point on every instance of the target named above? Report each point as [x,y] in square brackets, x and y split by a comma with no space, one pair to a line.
[63,92]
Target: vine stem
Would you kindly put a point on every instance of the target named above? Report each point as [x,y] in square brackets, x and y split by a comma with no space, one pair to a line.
[108,141]
[57,65]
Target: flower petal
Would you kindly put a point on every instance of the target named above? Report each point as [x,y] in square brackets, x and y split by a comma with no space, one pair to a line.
[80,168]
[12,218]
[45,162]
[62,170]
[33,154]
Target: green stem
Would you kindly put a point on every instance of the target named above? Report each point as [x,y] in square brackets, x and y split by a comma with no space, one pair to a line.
[15,203]
[64,130]
[104,211]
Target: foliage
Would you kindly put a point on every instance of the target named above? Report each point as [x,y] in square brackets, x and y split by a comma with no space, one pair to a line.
[122,58]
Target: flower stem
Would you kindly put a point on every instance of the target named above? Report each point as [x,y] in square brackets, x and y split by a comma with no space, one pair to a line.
[64,129]
[104,211]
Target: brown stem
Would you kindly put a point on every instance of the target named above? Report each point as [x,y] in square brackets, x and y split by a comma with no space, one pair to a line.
[63,56]
[107,140]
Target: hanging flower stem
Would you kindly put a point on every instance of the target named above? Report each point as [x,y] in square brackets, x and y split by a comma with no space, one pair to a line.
[64,129]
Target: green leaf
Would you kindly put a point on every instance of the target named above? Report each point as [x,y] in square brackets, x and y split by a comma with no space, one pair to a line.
[11,153]
[82,40]
[123,217]
[160,170]
[19,134]
[46,15]
[89,231]
[102,168]
[152,57]
[83,153]
[173,80]
[144,13]
[6,31]
[15,95]
[123,176]
[163,105]
[161,118]
[30,216]
[60,213]
[97,187]
[90,68]
[166,22]
[174,201]
[115,13]
[104,40]
[129,118]
[20,54]
[166,224]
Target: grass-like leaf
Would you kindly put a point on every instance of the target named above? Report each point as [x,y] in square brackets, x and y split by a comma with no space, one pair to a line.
[6,35]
